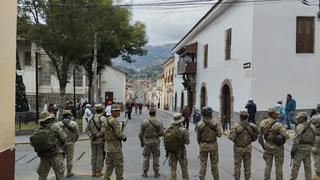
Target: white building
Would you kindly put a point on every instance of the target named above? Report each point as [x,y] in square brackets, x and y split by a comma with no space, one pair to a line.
[113,85]
[242,49]
[49,88]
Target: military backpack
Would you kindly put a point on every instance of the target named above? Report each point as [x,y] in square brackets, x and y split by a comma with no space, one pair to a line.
[308,135]
[44,141]
[173,139]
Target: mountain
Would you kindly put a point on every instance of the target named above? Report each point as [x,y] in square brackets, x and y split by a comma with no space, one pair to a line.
[155,56]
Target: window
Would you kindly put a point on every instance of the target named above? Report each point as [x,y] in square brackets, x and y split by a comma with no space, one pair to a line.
[228,44]
[205,59]
[27,58]
[44,73]
[78,78]
[305,35]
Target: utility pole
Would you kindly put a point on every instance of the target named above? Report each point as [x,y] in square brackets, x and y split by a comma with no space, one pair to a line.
[74,92]
[95,66]
[37,86]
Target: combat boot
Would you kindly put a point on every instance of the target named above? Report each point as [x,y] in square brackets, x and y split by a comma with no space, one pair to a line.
[94,174]
[69,174]
[156,174]
[99,174]
[144,174]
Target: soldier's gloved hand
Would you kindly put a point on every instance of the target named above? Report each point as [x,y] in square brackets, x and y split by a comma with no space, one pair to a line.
[142,144]
[292,154]
[124,139]
[93,137]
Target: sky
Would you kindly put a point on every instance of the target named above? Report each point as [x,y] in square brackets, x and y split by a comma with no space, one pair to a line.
[167,24]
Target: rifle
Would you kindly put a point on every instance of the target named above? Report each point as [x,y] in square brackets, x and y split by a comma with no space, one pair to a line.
[124,124]
[167,156]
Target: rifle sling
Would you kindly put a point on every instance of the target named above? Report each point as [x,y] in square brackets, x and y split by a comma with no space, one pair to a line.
[95,124]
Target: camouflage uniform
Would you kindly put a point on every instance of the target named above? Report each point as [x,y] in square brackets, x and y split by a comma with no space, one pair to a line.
[97,143]
[180,157]
[72,132]
[316,148]
[242,148]
[150,132]
[302,150]
[55,161]
[113,146]
[207,132]
[272,150]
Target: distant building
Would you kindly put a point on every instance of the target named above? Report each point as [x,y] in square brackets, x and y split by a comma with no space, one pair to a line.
[113,85]
[252,49]
[168,70]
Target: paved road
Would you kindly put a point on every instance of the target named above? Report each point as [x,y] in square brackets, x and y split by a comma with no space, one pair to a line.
[27,162]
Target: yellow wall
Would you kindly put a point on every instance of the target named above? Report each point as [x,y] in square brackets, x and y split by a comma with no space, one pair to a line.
[8,13]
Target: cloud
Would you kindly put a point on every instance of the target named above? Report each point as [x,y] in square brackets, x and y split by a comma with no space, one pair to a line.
[167,24]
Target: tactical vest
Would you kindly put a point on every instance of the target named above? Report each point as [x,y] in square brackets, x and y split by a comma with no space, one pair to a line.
[243,138]
[110,129]
[308,136]
[152,129]
[207,134]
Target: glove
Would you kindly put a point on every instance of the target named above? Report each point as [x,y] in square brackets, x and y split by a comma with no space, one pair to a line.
[142,144]
[93,137]
[124,139]
[292,154]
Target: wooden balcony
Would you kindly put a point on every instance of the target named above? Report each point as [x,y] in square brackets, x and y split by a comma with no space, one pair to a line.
[187,67]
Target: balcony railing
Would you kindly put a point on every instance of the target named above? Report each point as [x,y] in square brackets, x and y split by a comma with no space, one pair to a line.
[187,67]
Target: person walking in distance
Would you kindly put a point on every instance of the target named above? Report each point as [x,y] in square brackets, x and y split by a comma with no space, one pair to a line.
[48,142]
[290,107]
[243,134]
[113,135]
[86,117]
[304,138]
[71,130]
[186,116]
[275,137]
[207,133]
[175,139]
[150,132]
[252,109]
[97,143]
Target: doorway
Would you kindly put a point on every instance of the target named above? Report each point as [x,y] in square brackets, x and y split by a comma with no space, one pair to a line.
[203,97]
[182,102]
[226,106]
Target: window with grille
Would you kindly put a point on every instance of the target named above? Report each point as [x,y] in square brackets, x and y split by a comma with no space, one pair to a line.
[78,78]
[228,44]
[205,59]
[44,75]
[27,58]
[305,35]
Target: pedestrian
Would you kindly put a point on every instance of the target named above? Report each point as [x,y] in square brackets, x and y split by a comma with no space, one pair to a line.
[140,108]
[315,120]
[136,108]
[243,134]
[48,142]
[280,109]
[150,132]
[108,109]
[207,133]
[196,118]
[252,109]
[52,109]
[290,107]
[113,134]
[69,106]
[129,110]
[304,139]
[95,125]
[275,136]
[71,130]
[175,139]
[86,117]
[186,116]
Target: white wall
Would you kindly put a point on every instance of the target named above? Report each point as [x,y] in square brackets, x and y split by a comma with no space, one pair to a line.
[277,69]
[239,18]
[177,85]
[114,81]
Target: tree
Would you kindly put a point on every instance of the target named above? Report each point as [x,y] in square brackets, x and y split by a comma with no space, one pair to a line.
[21,99]
[114,36]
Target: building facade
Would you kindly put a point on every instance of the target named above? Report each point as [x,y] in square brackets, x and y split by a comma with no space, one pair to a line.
[168,70]
[248,50]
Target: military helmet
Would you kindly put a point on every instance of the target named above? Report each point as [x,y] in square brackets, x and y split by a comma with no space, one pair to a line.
[206,111]
[279,139]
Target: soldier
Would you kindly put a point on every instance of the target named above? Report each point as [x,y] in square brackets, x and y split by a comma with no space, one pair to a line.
[97,143]
[150,132]
[207,133]
[175,139]
[71,129]
[242,134]
[275,136]
[113,135]
[54,140]
[315,120]
[304,139]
